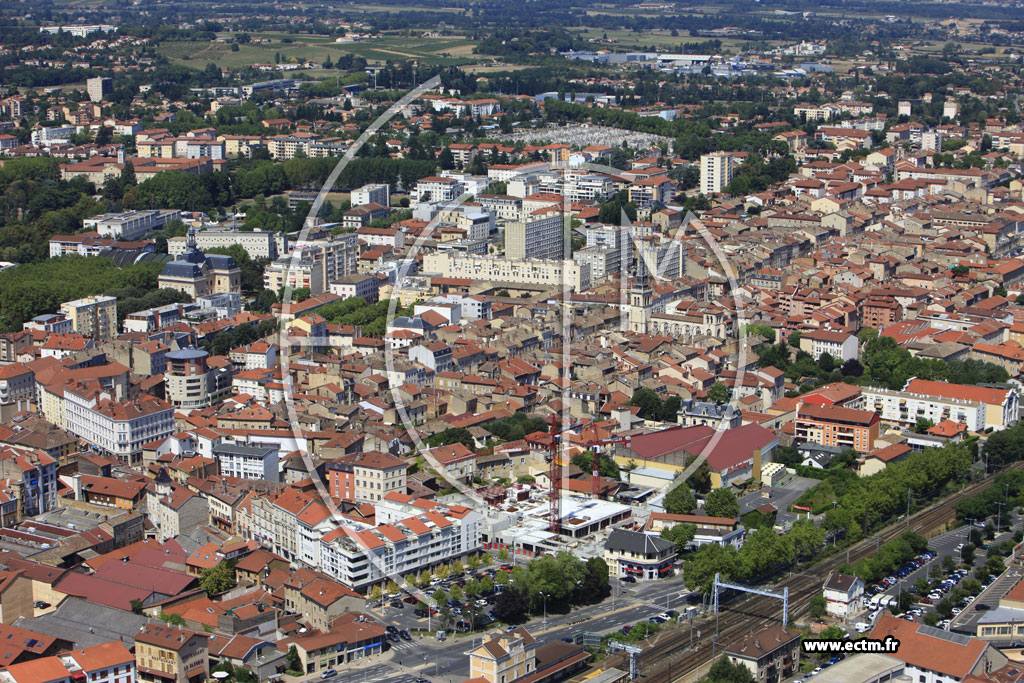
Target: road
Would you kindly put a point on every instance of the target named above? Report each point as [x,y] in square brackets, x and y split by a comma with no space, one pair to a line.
[425,657]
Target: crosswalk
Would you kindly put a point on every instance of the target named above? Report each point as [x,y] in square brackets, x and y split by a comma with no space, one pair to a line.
[403,645]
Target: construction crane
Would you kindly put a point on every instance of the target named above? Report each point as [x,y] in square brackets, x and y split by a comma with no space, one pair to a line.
[633,651]
[555,477]
[597,459]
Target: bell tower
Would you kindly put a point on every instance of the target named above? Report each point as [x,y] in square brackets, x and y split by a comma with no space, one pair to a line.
[640,297]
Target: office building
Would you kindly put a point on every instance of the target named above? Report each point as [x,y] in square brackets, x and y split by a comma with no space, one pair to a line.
[715,172]
[248,462]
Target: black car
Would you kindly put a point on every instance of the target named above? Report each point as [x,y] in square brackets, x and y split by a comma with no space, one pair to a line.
[393,638]
[391,629]
[982,606]
[397,604]
[420,612]
[404,635]
[628,579]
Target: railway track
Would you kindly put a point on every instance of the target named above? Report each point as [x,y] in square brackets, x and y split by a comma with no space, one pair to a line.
[672,659]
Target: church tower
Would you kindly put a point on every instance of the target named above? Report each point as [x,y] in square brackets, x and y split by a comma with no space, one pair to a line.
[640,297]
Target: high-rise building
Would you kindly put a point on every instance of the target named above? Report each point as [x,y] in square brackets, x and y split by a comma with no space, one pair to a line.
[540,236]
[98,87]
[715,172]
[93,316]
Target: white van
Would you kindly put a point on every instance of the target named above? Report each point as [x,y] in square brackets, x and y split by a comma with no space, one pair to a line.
[862,626]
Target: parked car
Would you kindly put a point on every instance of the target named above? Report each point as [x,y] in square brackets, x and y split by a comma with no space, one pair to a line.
[422,613]
[397,604]
[628,579]
[410,600]
[404,635]
[330,673]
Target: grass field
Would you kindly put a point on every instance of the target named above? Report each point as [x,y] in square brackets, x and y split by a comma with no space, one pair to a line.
[446,51]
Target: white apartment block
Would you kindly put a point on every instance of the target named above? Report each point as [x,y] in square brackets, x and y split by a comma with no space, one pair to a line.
[409,537]
[899,407]
[364,286]
[130,225]
[549,272]
[436,189]
[538,236]
[842,346]
[376,193]
[715,172]
[248,462]
[119,428]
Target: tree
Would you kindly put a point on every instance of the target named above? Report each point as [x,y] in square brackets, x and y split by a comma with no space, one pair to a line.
[457,567]
[818,605]
[606,466]
[852,368]
[292,662]
[392,587]
[376,593]
[511,606]
[424,579]
[680,534]
[794,339]
[455,592]
[922,425]
[503,554]
[724,671]
[807,537]
[473,562]
[826,362]
[218,579]
[721,503]
[136,606]
[718,393]
[595,584]
[679,501]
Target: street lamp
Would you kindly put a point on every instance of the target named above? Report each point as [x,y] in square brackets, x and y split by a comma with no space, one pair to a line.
[545,598]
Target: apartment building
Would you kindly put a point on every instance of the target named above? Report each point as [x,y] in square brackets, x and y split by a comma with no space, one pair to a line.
[166,653]
[978,408]
[541,236]
[248,462]
[772,654]
[109,662]
[436,189]
[17,383]
[552,273]
[374,193]
[314,263]
[190,382]
[117,427]
[366,477]
[505,658]
[97,88]
[715,172]
[34,474]
[842,346]
[352,637]
[411,535]
[92,316]
[837,427]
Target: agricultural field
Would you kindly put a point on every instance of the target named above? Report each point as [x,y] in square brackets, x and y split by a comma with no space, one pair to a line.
[447,51]
[662,40]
